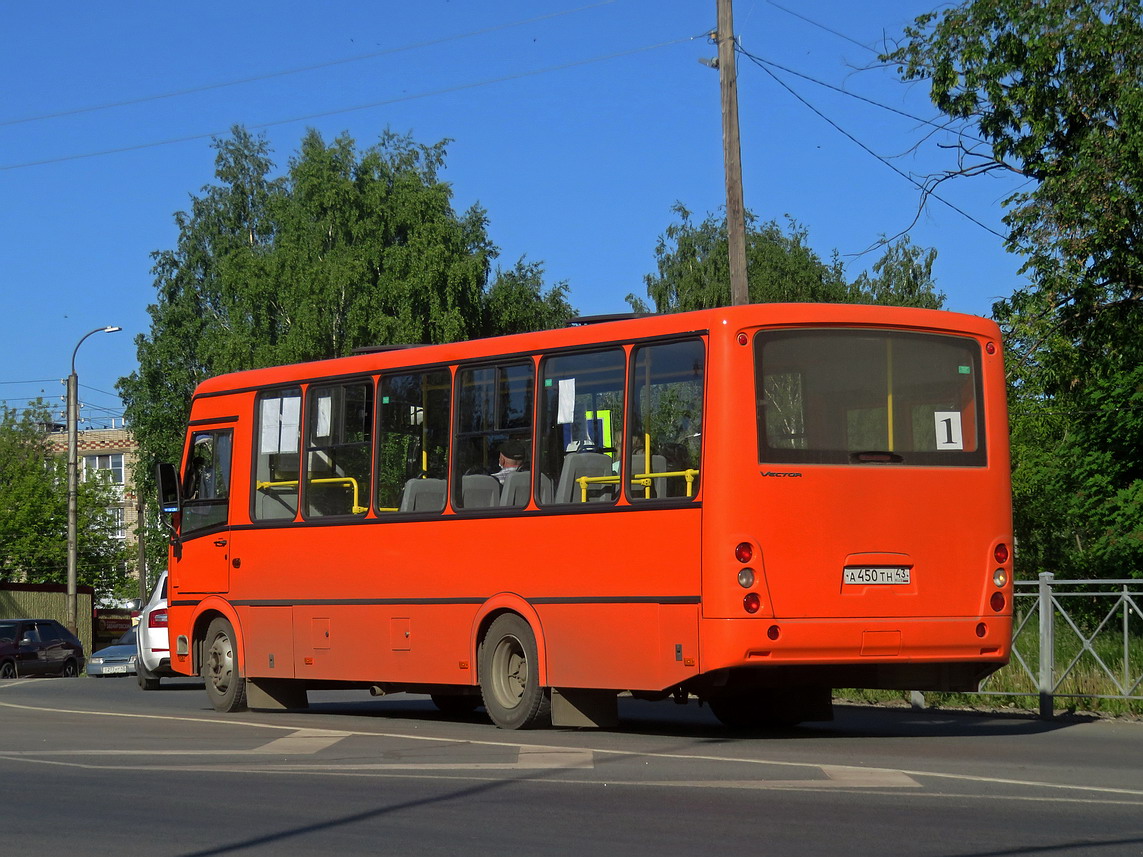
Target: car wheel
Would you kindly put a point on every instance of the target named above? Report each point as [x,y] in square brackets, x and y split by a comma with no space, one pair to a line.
[225,685]
[7,670]
[147,679]
[70,669]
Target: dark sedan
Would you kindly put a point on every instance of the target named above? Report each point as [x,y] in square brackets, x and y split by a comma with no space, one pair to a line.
[38,647]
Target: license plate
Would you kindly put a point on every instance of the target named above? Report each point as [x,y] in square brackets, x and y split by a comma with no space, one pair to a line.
[876,575]
[115,668]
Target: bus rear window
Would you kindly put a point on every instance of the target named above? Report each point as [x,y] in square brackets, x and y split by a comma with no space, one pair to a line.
[868,397]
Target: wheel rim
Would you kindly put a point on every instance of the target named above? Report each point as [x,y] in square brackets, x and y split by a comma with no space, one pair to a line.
[510,672]
[7,671]
[220,663]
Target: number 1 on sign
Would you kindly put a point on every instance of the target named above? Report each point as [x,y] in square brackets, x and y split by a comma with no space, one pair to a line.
[948,430]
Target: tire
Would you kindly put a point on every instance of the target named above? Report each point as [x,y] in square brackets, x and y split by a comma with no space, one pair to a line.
[147,681]
[7,670]
[509,683]
[70,669]
[456,704]
[225,686]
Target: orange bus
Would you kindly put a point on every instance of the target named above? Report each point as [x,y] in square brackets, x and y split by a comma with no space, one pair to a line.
[747,506]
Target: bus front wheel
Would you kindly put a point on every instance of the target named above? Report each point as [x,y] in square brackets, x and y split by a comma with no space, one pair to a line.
[509,675]
[225,686]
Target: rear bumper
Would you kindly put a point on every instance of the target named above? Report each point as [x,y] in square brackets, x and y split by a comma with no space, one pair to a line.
[947,653]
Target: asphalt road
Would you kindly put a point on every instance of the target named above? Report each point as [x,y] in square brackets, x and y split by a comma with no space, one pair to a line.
[96,766]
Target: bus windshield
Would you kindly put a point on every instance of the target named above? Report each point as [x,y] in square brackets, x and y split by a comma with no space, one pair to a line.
[855,396]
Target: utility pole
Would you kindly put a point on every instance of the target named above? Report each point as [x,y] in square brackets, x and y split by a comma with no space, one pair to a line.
[73,482]
[141,551]
[732,154]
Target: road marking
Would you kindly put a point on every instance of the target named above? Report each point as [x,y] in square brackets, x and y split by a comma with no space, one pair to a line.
[304,742]
[550,757]
[866,776]
[837,777]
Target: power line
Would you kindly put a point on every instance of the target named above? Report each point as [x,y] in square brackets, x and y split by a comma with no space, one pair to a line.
[97,390]
[322,114]
[206,87]
[937,125]
[928,192]
[820,26]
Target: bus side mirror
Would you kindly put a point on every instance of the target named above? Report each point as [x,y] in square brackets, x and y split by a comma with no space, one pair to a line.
[170,495]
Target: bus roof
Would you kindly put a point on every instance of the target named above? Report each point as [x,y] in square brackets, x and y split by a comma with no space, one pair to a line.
[624,328]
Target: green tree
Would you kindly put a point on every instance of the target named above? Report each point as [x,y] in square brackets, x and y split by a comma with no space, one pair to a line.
[349,247]
[1053,92]
[693,270]
[517,301]
[903,276]
[33,511]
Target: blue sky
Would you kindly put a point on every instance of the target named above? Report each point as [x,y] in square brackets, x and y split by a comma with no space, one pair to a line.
[577,124]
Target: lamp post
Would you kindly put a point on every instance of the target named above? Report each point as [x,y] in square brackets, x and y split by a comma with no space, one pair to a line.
[73,479]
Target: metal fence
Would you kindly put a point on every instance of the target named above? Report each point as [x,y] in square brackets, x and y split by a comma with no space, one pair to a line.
[1074,639]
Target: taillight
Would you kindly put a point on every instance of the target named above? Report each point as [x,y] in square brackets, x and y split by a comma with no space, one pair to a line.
[744,552]
[997,601]
[1001,553]
[157,619]
[751,602]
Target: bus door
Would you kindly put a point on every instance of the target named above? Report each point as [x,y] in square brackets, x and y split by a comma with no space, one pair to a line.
[203,561]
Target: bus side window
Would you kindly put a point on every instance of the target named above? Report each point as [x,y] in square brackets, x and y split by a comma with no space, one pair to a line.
[665,448]
[412,442]
[581,427]
[339,449]
[494,415]
[206,483]
[276,463]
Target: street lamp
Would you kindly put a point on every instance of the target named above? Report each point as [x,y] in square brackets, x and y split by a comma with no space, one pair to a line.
[73,479]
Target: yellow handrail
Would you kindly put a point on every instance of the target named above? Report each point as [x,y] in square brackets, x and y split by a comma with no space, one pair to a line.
[358,509]
[643,479]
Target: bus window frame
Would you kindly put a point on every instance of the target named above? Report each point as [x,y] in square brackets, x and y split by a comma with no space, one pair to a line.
[260,395]
[456,477]
[188,504]
[974,458]
[370,381]
[379,430]
[703,339]
[623,348]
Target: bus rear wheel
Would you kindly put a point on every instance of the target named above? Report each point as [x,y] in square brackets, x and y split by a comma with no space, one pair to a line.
[225,686]
[509,676]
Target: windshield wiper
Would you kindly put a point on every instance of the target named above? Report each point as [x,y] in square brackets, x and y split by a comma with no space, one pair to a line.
[876,456]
